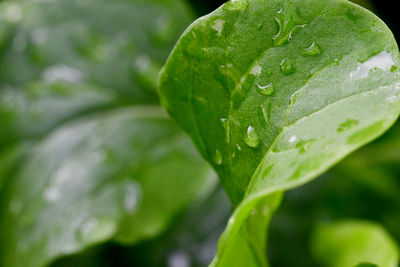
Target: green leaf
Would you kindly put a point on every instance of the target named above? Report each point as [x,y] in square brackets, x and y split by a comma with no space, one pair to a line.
[275,92]
[84,157]
[96,179]
[354,243]
[119,44]
[34,109]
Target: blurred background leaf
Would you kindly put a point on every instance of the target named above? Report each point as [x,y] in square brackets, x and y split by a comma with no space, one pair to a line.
[354,244]
[86,154]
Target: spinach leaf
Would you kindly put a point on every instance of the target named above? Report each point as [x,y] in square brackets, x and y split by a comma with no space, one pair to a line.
[275,92]
[86,154]
[67,42]
[354,244]
[96,179]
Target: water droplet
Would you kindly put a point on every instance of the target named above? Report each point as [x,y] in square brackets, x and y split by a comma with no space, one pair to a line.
[256,70]
[251,138]
[265,113]
[13,12]
[95,230]
[218,26]
[163,28]
[62,72]
[218,157]
[52,194]
[260,27]
[293,98]
[288,23]
[287,67]
[267,171]
[304,145]
[266,89]
[292,139]
[238,147]
[347,125]
[225,124]
[132,197]
[142,63]
[313,50]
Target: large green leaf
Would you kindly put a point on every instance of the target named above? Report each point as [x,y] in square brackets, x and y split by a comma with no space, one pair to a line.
[354,244]
[273,93]
[106,175]
[84,157]
[119,44]
[74,42]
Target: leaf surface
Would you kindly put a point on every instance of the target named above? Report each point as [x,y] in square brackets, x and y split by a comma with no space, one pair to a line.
[275,92]
[96,179]
[354,244]
[86,155]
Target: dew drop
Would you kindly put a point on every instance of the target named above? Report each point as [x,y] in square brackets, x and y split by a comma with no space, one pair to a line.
[95,230]
[132,197]
[265,113]
[347,125]
[288,23]
[218,26]
[251,138]
[238,147]
[313,50]
[62,72]
[256,70]
[163,27]
[225,124]
[13,12]
[287,67]
[266,89]
[304,145]
[52,194]
[292,139]
[218,157]
[293,98]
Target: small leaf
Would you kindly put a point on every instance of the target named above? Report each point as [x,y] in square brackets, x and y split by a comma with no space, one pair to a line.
[354,244]
[308,124]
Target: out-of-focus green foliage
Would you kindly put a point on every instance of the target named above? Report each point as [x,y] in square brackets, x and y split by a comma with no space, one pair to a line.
[86,155]
[354,243]
[118,46]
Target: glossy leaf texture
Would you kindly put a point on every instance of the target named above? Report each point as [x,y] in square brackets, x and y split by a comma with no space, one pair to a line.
[72,42]
[354,244]
[96,179]
[123,48]
[86,153]
[275,92]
